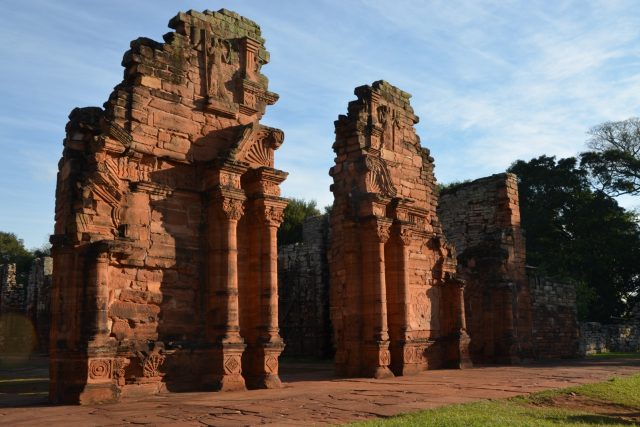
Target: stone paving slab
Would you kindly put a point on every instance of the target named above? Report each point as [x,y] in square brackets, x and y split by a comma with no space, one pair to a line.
[325,401]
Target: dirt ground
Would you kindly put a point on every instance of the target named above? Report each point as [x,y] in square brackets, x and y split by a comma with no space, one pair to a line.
[311,396]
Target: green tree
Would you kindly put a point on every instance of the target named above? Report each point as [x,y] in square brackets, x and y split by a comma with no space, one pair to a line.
[12,250]
[297,210]
[614,159]
[578,234]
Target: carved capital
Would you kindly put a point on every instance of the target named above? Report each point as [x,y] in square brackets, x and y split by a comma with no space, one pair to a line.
[406,236]
[383,231]
[273,216]
[232,209]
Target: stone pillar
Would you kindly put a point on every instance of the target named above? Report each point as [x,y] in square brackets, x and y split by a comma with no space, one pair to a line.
[403,353]
[376,356]
[223,326]
[262,366]
[457,350]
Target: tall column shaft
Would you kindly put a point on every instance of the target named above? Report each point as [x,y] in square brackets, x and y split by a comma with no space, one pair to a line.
[376,333]
[227,345]
[263,353]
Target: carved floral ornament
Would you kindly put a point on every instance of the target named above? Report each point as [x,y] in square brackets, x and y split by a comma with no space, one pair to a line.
[406,236]
[232,208]
[273,216]
[100,369]
[383,231]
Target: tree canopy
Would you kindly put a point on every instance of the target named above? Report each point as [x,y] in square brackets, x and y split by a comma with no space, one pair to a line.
[295,213]
[614,159]
[12,251]
[576,233]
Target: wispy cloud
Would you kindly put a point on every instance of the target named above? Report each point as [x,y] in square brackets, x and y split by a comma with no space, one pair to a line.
[493,81]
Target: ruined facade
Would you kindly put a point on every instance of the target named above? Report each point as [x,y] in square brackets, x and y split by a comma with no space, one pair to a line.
[303,280]
[482,219]
[167,207]
[395,303]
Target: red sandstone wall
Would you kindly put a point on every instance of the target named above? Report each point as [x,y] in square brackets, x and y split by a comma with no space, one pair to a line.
[158,197]
[392,303]
[482,219]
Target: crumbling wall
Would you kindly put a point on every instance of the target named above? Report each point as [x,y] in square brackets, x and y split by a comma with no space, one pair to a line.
[12,293]
[555,317]
[303,280]
[395,303]
[38,304]
[167,208]
[17,338]
[482,219]
[622,336]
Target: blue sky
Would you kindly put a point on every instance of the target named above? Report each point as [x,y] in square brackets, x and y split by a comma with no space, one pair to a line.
[492,81]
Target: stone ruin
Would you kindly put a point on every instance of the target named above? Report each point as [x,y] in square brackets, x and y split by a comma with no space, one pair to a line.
[38,300]
[165,251]
[24,309]
[513,314]
[396,305]
[482,219]
[167,208]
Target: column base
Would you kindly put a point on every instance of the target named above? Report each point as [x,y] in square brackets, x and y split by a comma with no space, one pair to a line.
[376,361]
[457,351]
[227,365]
[260,365]
[409,358]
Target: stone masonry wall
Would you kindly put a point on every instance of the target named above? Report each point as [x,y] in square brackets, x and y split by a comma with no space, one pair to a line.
[623,336]
[555,324]
[38,305]
[396,305]
[482,219]
[12,293]
[303,280]
[167,208]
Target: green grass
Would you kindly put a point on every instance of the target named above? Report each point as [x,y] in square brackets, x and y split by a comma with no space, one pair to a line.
[532,410]
[614,355]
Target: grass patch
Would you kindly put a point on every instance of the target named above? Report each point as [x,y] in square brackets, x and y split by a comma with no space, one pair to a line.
[622,395]
[614,355]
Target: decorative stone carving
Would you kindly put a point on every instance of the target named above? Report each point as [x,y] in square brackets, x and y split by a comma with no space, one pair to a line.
[120,365]
[100,369]
[233,209]
[378,178]
[406,236]
[384,320]
[383,231]
[232,365]
[152,243]
[274,216]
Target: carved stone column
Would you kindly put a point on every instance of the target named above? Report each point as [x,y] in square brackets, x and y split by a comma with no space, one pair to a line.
[376,356]
[404,355]
[457,354]
[260,286]
[223,328]
[262,369]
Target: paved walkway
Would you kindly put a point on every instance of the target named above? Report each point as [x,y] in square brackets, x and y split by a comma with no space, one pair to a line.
[311,397]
